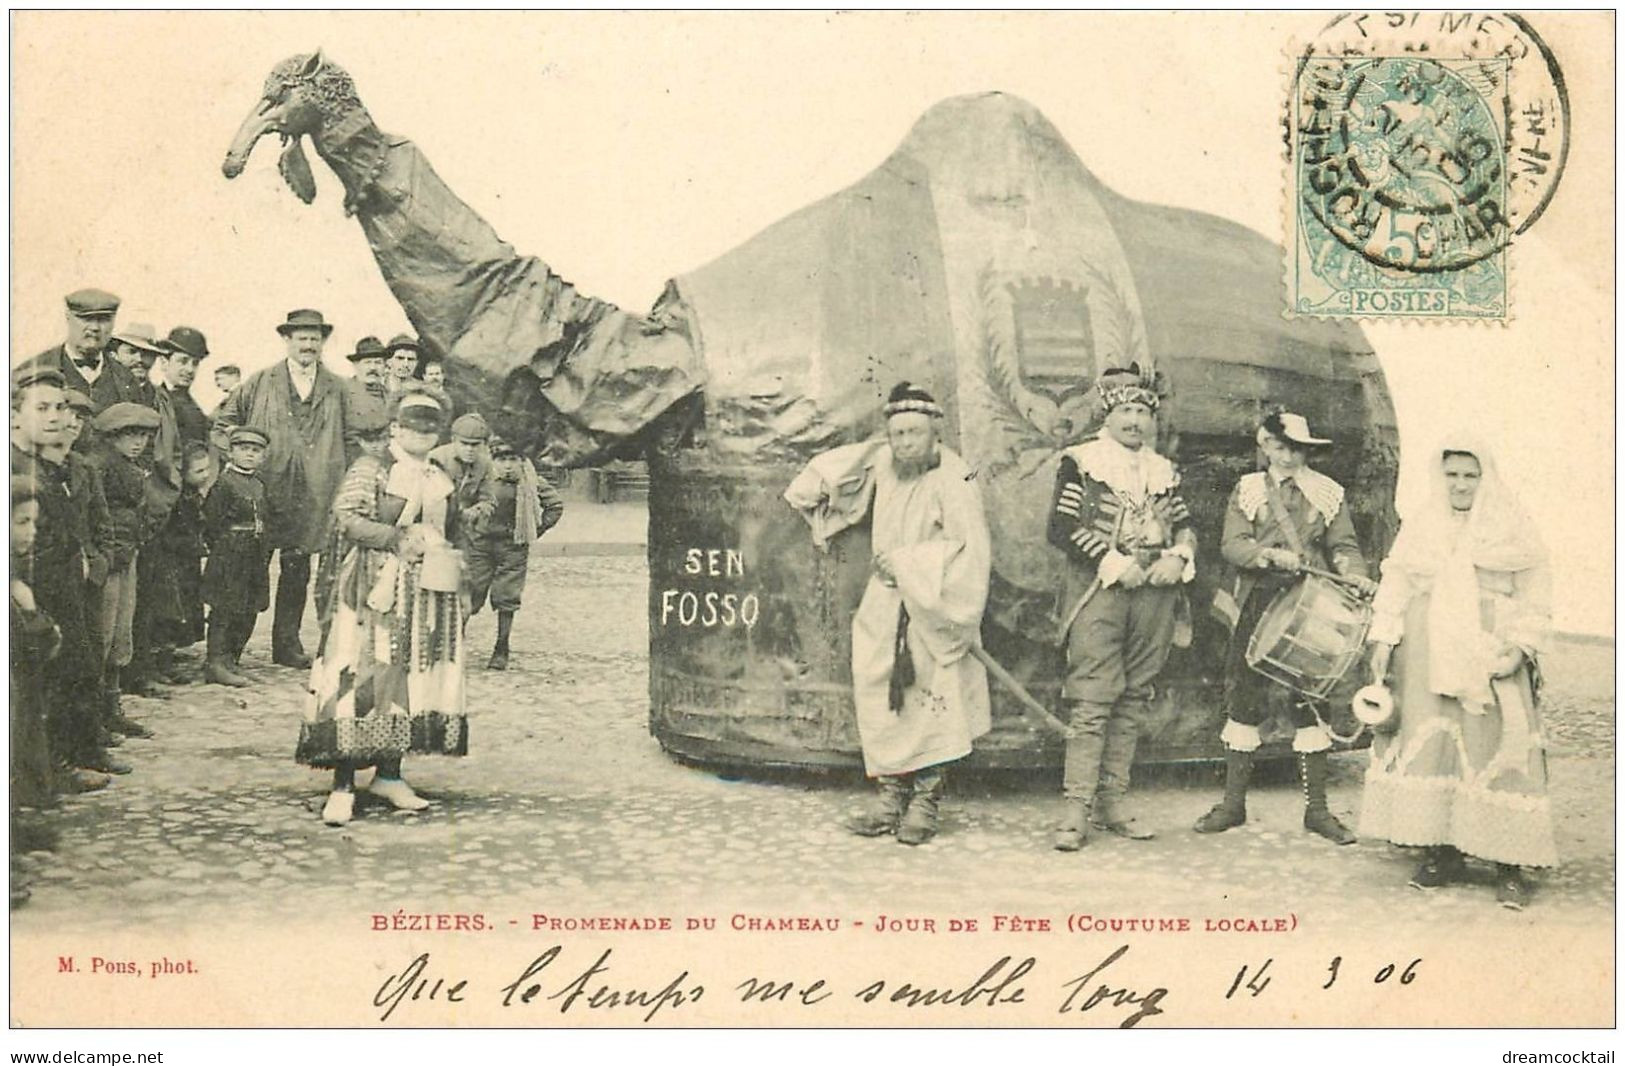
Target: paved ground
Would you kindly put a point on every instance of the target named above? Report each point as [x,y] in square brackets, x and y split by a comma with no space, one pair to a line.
[565,796]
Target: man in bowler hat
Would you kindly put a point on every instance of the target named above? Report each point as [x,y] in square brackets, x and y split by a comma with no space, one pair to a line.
[301,406]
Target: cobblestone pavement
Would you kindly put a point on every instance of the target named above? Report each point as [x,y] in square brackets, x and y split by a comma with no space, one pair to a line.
[566,802]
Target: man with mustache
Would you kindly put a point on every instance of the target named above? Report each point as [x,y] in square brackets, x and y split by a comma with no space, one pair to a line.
[1118,516]
[301,406]
[921,698]
[83,359]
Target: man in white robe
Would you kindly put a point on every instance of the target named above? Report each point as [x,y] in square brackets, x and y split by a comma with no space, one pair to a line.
[921,697]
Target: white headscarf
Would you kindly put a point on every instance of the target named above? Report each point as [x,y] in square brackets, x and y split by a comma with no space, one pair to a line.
[1449,547]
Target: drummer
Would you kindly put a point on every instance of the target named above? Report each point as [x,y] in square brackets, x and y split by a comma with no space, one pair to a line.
[1279,521]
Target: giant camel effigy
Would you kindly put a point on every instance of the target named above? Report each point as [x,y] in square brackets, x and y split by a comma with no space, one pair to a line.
[982,260]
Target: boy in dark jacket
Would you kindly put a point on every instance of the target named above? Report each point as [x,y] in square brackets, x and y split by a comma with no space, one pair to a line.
[125,431]
[517,506]
[236,579]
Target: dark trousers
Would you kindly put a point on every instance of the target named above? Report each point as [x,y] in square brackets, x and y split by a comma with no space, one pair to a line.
[229,632]
[292,589]
[71,683]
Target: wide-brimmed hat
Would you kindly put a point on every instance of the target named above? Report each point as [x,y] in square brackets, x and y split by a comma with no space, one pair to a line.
[404,340]
[305,318]
[368,348]
[1291,428]
[139,335]
[184,340]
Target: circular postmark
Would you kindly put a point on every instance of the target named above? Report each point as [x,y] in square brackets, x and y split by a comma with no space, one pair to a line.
[1426,141]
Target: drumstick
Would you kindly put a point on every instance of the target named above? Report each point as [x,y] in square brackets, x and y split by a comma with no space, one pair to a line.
[1327,574]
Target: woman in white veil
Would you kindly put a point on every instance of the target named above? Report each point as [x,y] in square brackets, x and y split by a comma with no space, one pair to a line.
[1466,599]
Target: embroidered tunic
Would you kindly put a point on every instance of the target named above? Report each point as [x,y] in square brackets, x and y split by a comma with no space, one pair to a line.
[388,677]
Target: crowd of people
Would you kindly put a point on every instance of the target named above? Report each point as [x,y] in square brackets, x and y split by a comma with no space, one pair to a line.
[141,526]
[1459,618]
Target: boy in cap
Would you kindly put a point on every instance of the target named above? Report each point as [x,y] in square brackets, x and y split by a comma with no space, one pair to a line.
[517,506]
[1278,521]
[169,590]
[59,565]
[126,431]
[236,579]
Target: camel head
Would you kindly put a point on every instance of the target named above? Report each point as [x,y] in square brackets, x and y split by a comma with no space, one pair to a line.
[303,95]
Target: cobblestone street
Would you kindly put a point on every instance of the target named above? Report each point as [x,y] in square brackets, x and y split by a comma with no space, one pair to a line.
[566,802]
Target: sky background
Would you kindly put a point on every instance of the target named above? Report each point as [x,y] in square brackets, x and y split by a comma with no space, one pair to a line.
[627,148]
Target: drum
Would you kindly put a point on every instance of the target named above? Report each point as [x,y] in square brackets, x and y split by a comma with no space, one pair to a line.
[1310,636]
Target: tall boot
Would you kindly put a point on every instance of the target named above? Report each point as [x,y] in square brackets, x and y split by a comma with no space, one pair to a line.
[499,654]
[1116,762]
[292,589]
[919,822]
[241,627]
[1230,811]
[1317,817]
[218,668]
[885,810]
[1085,744]
[114,719]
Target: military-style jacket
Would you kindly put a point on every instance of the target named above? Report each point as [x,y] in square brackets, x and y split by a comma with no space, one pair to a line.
[1113,504]
[1316,507]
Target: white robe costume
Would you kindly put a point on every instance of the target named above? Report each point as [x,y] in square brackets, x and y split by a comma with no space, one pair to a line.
[935,535]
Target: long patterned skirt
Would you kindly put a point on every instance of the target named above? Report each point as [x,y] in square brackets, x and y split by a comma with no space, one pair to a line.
[386,680]
[1476,782]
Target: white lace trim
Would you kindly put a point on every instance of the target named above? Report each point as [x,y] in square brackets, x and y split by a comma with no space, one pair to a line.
[1323,494]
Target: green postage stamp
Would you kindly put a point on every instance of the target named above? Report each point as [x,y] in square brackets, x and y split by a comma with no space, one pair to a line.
[1421,146]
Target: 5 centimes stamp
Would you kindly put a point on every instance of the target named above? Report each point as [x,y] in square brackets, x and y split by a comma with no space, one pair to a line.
[1421,146]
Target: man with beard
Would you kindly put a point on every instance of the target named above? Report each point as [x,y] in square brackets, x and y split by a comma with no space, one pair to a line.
[300,405]
[83,360]
[921,698]
[1118,516]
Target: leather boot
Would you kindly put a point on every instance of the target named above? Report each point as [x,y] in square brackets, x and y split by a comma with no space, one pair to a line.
[1116,761]
[919,822]
[218,668]
[499,657]
[1073,831]
[1317,817]
[885,810]
[1085,745]
[1230,811]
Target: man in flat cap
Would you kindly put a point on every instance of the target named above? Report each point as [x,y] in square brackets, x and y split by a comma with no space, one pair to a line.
[301,406]
[921,697]
[1118,516]
[83,359]
[1278,521]
[60,564]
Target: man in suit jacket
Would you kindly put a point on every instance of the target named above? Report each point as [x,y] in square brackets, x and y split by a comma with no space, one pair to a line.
[301,406]
[83,359]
